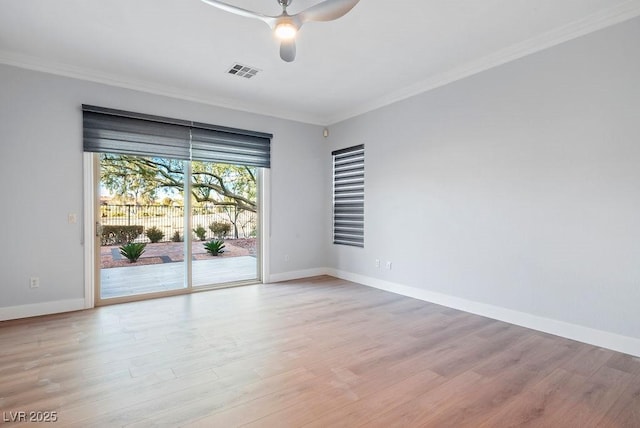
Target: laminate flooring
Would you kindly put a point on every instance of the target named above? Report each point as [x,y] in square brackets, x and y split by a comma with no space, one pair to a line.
[318,352]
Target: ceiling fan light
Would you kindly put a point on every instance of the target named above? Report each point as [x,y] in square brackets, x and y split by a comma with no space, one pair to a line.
[285,31]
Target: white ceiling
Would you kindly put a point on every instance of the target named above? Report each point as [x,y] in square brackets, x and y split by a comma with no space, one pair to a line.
[380,52]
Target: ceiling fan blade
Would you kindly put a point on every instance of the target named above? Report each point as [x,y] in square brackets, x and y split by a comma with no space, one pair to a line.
[288,50]
[240,11]
[328,10]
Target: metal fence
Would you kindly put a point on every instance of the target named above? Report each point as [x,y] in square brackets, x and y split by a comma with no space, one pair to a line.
[170,220]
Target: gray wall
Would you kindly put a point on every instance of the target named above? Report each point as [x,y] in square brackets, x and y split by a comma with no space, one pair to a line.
[42,176]
[518,187]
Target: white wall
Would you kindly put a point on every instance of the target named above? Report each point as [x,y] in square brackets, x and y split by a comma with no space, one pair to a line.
[515,192]
[42,176]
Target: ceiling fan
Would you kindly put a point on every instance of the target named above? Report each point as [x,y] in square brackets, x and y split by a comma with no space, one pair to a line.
[286,26]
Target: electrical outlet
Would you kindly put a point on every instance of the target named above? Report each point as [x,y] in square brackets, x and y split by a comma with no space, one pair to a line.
[34,282]
[388,266]
[378,263]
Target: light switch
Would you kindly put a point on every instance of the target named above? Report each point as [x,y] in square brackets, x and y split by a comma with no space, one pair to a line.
[73,218]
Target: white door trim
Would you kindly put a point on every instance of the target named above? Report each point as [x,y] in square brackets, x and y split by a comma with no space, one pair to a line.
[264,220]
[91,190]
[88,230]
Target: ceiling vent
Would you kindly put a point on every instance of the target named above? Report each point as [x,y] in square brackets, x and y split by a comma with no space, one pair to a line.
[243,71]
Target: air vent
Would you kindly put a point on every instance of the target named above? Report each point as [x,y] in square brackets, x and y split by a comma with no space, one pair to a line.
[243,71]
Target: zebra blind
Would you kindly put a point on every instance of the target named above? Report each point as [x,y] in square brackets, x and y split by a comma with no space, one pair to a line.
[348,196]
[117,131]
[226,145]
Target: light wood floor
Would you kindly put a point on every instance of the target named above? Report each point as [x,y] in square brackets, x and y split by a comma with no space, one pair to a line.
[320,352]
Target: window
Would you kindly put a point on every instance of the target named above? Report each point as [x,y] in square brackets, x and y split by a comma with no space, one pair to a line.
[348,196]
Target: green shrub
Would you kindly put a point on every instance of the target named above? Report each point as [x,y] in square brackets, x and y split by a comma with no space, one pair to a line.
[118,235]
[220,229]
[176,237]
[133,250]
[154,234]
[200,232]
[214,247]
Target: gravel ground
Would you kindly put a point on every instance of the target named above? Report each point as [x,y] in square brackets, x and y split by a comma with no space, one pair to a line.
[168,252]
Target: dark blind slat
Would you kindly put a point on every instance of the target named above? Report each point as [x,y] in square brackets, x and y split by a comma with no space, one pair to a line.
[351,175]
[104,133]
[348,217]
[348,196]
[355,163]
[352,196]
[208,144]
[347,151]
[352,233]
[355,228]
[122,132]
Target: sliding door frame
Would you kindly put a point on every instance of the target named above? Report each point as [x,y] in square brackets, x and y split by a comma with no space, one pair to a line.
[91,183]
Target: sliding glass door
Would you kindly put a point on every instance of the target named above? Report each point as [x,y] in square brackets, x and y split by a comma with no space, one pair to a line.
[155,241]
[225,222]
[141,216]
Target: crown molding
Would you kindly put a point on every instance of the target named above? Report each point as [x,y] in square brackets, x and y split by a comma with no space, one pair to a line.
[594,22]
[96,76]
[597,21]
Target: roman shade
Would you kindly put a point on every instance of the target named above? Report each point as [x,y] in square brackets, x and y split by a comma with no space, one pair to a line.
[116,131]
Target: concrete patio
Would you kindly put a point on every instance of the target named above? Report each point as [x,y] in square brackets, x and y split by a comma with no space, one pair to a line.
[134,280]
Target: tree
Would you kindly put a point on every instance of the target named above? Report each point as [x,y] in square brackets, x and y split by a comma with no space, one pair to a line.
[225,185]
[141,178]
[126,180]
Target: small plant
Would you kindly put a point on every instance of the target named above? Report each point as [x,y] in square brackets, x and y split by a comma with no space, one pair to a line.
[214,247]
[132,250]
[154,234]
[176,237]
[220,229]
[119,235]
[200,232]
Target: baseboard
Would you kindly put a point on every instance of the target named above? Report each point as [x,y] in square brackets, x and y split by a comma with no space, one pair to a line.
[604,339]
[37,309]
[306,273]
[613,341]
